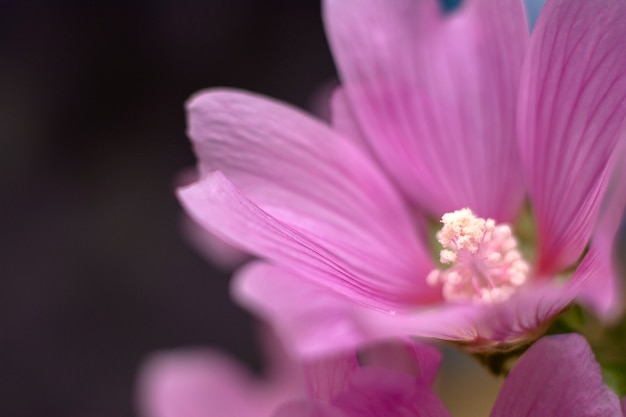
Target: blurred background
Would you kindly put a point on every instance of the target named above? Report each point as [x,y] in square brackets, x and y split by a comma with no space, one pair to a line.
[95,272]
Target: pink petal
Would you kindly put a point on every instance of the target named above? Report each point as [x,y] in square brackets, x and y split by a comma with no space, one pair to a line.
[316,321]
[558,377]
[436,97]
[300,195]
[572,109]
[197,383]
[417,359]
[597,279]
[329,377]
[518,319]
[343,385]
[373,392]
[344,121]
[212,248]
[525,315]
[378,392]
[311,319]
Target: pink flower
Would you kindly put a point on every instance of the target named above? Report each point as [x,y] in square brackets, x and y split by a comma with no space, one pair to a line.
[207,384]
[204,382]
[557,376]
[456,117]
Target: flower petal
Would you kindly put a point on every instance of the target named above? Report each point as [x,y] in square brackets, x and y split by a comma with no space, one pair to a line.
[213,249]
[378,392]
[572,111]
[300,195]
[328,376]
[597,279]
[518,320]
[526,314]
[373,392]
[343,120]
[414,363]
[436,97]
[317,322]
[558,376]
[197,383]
[372,388]
[311,319]
[406,355]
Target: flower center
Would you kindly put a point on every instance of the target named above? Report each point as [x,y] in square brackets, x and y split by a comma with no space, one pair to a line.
[485,263]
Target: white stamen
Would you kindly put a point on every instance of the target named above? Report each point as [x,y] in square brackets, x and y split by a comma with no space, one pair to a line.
[486,265]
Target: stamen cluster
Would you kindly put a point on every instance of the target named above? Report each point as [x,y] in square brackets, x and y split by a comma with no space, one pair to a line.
[486,265]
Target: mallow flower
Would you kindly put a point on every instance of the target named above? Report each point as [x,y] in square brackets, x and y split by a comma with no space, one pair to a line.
[557,376]
[206,383]
[463,118]
[203,382]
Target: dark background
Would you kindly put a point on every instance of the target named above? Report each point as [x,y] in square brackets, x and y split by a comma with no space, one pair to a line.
[94,271]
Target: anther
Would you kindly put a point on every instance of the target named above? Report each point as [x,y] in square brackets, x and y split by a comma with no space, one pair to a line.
[485,264]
